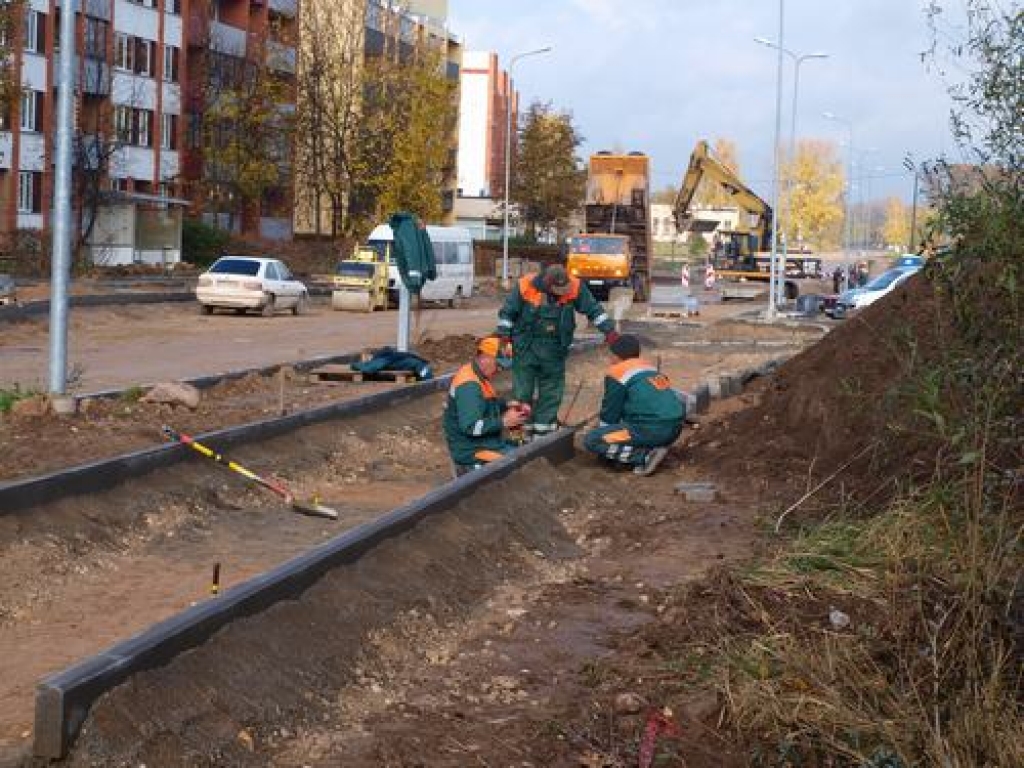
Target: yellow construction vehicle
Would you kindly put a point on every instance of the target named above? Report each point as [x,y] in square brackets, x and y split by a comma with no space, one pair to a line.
[361,282]
[736,255]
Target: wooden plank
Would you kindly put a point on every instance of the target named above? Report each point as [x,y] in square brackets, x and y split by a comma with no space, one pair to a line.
[336,373]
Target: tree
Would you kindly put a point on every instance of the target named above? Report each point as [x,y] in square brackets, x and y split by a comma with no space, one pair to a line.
[815,178]
[710,194]
[417,115]
[665,195]
[11,14]
[330,87]
[896,228]
[246,129]
[550,182]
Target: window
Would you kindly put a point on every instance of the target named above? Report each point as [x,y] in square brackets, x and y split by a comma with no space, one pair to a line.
[195,131]
[29,192]
[168,131]
[144,59]
[35,32]
[119,185]
[172,7]
[123,124]
[124,51]
[271,271]
[170,64]
[143,127]
[95,38]
[31,110]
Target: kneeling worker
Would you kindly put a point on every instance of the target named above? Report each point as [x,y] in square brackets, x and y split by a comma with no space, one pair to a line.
[641,414]
[474,415]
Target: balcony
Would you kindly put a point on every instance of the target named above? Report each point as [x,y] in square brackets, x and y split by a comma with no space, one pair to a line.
[98,9]
[6,150]
[227,39]
[94,76]
[285,7]
[280,57]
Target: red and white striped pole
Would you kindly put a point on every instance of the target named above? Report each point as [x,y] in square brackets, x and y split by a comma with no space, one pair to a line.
[709,276]
[685,277]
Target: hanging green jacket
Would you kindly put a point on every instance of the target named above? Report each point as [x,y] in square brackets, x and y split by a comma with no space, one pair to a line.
[519,317]
[636,393]
[472,418]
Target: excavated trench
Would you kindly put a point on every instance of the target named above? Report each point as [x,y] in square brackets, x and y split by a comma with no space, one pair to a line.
[85,572]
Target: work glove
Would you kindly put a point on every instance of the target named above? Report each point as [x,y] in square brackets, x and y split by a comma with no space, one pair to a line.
[506,346]
[611,337]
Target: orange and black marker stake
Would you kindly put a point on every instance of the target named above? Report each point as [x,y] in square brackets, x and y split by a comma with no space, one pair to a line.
[215,581]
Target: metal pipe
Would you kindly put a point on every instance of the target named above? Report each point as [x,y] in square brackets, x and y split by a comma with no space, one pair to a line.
[508,158]
[774,267]
[404,310]
[60,266]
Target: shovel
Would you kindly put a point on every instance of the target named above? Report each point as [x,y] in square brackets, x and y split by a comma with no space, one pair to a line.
[312,508]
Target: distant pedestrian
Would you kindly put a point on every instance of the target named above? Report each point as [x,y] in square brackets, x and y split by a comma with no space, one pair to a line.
[837,279]
[851,276]
[862,274]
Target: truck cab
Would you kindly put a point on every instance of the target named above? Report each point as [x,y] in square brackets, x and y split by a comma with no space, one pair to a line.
[602,261]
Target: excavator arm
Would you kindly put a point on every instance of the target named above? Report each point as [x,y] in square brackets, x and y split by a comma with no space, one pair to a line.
[702,165]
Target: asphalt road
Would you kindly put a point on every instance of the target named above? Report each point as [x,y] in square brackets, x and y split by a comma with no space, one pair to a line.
[121,347]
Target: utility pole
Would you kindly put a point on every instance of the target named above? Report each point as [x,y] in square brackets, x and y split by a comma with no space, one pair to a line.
[60,263]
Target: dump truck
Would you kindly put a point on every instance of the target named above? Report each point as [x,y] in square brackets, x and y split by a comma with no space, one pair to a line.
[360,283]
[739,253]
[614,249]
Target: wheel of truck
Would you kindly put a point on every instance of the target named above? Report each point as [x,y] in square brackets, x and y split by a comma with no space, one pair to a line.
[301,306]
[205,309]
[455,302]
[270,306]
[792,291]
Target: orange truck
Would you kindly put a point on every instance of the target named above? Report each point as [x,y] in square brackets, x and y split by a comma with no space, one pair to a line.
[613,251]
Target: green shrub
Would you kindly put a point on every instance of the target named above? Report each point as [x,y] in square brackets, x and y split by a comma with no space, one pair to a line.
[201,243]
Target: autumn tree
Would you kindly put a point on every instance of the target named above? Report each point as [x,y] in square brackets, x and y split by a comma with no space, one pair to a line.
[11,14]
[710,194]
[665,196]
[330,84]
[814,178]
[246,128]
[550,182]
[896,228]
[408,139]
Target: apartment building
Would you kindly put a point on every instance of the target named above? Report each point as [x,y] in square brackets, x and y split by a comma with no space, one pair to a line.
[393,31]
[135,111]
[488,98]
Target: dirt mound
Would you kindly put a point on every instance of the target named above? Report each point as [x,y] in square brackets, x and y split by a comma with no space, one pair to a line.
[830,404]
[448,349]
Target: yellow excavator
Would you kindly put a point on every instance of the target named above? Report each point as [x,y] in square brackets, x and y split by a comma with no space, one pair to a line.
[736,255]
[361,282]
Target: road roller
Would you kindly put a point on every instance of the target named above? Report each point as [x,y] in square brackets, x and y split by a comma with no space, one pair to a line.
[361,282]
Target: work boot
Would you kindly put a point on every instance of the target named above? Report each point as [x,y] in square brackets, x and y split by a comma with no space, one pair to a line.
[654,457]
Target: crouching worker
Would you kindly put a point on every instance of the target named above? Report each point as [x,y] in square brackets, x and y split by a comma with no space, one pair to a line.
[474,415]
[641,414]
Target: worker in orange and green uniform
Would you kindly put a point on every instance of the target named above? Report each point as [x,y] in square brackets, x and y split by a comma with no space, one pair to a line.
[474,416]
[641,414]
[539,317]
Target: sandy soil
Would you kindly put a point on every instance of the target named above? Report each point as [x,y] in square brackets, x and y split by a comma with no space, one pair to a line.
[83,573]
[111,348]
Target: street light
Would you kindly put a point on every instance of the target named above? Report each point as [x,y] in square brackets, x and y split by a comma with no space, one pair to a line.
[908,163]
[508,157]
[849,182]
[798,59]
[773,274]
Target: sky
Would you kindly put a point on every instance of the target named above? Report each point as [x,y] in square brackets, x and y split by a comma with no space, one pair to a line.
[658,75]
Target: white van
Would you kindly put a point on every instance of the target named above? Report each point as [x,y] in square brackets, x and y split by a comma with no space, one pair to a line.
[453,252]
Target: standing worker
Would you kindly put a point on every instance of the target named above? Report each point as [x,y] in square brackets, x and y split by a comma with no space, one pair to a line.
[641,414]
[539,318]
[474,415]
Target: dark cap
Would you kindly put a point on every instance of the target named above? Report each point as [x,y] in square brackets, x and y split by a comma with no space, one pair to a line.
[626,347]
[556,280]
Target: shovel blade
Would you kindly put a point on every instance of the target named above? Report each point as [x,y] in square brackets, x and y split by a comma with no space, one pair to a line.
[312,509]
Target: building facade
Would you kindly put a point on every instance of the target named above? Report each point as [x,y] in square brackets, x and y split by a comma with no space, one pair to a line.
[486,100]
[139,72]
[366,33]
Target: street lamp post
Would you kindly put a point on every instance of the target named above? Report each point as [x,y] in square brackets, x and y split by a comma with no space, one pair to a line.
[773,274]
[798,59]
[508,158]
[849,183]
[909,165]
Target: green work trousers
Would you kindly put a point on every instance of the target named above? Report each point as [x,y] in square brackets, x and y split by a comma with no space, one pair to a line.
[539,379]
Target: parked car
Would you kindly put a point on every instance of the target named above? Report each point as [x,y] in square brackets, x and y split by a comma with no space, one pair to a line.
[858,298]
[8,291]
[909,260]
[251,283]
